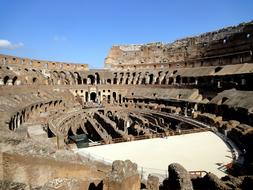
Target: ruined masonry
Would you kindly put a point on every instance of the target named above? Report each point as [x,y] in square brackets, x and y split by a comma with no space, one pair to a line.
[153,90]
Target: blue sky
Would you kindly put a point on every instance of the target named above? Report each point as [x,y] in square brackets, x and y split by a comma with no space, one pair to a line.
[82,31]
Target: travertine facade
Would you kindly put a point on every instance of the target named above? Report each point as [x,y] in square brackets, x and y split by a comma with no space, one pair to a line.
[145,91]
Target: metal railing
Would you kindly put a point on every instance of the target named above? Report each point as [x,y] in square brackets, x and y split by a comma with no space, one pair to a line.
[157,135]
[143,171]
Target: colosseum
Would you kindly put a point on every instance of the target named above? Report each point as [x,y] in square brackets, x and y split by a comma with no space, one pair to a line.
[158,116]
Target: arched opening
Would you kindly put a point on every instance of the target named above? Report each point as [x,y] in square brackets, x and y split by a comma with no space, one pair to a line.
[84,81]
[46,66]
[79,131]
[70,132]
[63,75]
[92,186]
[6,78]
[163,80]
[108,81]
[86,96]
[34,80]
[114,96]
[72,76]
[97,78]
[178,79]
[78,78]
[171,80]
[115,81]
[91,79]
[14,80]
[103,98]
[151,78]
[55,73]
[224,99]
[108,99]
[93,96]
[192,80]
[127,79]
[120,98]
[184,80]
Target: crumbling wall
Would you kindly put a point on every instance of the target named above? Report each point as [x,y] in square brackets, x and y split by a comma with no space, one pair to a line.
[221,47]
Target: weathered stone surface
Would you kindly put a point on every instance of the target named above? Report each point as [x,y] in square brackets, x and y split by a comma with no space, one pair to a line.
[122,169]
[232,182]
[45,103]
[179,178]
[124,176]
[65,184]
[9,185]
[211,119]
[153,183]
[247,183]
[212,182]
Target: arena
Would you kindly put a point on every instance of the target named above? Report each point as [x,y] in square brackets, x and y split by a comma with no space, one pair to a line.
[64,125]
[167,151]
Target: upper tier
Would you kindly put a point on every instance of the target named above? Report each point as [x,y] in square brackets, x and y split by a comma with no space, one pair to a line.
[41,64]
[230,45]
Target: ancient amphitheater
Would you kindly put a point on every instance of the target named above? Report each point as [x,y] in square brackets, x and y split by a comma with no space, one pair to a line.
[63,124]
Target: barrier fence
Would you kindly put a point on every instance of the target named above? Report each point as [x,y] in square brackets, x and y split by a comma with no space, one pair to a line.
[157,135]
[143,171]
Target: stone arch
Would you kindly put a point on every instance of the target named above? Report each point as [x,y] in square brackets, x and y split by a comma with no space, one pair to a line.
[6,78]
[79,131]
[70,132]
[178,79]
[78,78]
[114,96]
[63,75]
[120,98]
[109,98]
[151,78]
[72,76]
[127,78]
[34,80]
[86,96]
[115,79]
[97,78]
[91,79]
[108,81]
[121,78]
[14,80]
[93,96]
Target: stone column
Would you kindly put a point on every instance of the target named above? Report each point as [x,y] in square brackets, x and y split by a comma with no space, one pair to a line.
[60,142]
[1,82]
[9,82]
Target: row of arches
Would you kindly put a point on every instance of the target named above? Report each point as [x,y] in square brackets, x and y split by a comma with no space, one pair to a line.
[118,78]
[143,78]
[31,111]
[10,80]
[73,78]
[7,80]
[98,96]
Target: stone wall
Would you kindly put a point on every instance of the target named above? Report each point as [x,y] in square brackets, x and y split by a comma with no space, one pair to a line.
[221,47]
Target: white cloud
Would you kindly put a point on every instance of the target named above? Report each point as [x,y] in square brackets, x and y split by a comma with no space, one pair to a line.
[5,44]
[59,38]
